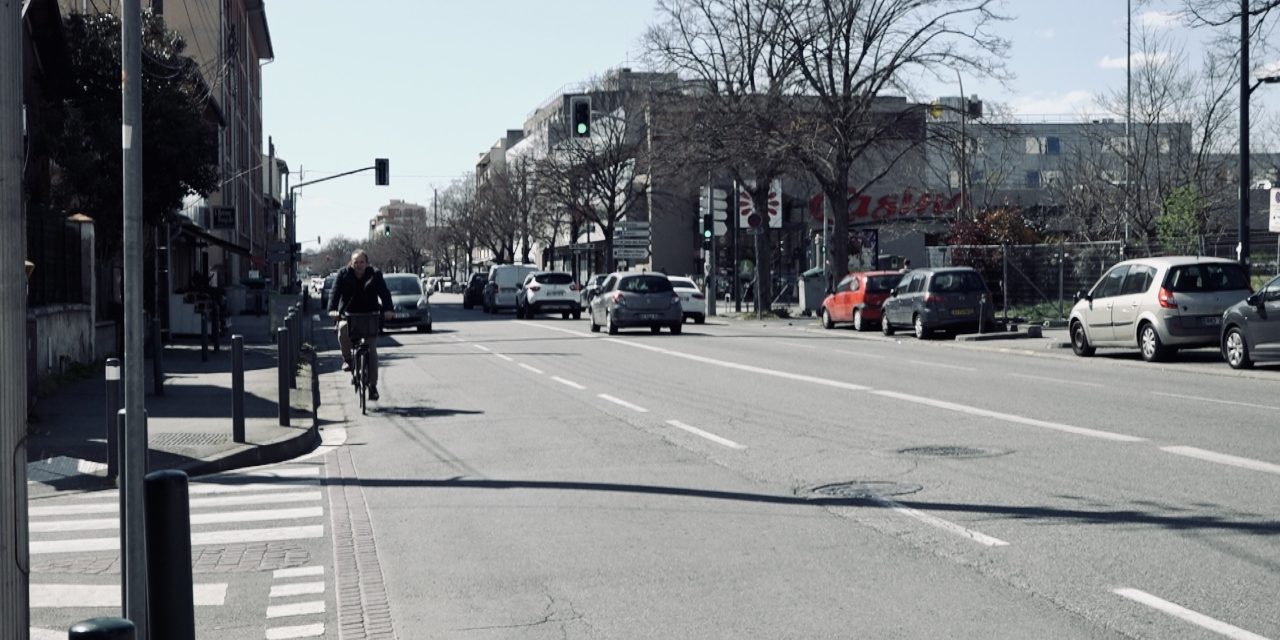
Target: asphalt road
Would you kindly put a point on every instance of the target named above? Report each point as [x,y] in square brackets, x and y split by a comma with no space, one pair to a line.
[773,480]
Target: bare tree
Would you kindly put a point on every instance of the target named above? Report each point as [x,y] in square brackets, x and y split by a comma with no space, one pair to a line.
[850,53]
[462,229]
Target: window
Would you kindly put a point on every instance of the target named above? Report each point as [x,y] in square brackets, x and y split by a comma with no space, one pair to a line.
[645,284]
[881,284]
[917,283]
[554,278]
[977,176]
[1033,179]
[1271,292]
[1048,178]
[954,179]
[1117,144]
[1112,283]
[1052,145]
[844,284]
[1035,145]
[1138,280]
[1163,145]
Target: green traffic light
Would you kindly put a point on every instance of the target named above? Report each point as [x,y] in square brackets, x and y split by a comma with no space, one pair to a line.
[582,128]
[706,233]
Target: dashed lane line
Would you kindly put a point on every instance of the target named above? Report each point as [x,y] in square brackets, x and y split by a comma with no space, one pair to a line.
[1222,458]
[705,434]
[568,383]
[623,403]
[531,368]
[1199,619]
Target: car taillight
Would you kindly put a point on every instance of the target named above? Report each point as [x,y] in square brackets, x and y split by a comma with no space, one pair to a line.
[698,296]
[933,298]
[675,298]
[534,287]
[575,287]
[618,298]
[1166,299]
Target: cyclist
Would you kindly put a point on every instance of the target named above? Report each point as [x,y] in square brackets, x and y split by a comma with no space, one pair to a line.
[359,288]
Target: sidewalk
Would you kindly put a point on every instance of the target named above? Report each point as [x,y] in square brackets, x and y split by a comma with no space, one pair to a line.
[189,427]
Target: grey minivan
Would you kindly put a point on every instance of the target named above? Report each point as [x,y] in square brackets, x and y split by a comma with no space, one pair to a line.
[939,299]
[1158,305]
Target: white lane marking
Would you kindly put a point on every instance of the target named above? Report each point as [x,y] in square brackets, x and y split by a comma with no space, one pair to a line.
[197,539]
[295,609]
[505,357]
[860,355]
[1178,611]
[939,365]
[286,472]
[533,369]
[1222,458]
[298,572]
[305,495]
[1200,399]
[1008,417]
[1054,380]
[710,436]
[296,589]
[482,347]
[289,633]
[621,402]
[568,383]
[258,515]
[52,596]
[796,345]
[951,406]
[945,525]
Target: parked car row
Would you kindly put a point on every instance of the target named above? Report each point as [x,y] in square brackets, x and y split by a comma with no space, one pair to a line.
[927,300]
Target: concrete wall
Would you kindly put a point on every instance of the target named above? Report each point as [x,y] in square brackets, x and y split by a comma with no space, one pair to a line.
[64,335]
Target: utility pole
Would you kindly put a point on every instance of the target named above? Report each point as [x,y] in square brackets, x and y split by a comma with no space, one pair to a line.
[1242,248]
[134,469]
[15,583]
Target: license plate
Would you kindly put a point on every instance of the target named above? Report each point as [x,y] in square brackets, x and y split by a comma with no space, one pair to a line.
[962,312]
[404,314]
[648,316]
[1212,321]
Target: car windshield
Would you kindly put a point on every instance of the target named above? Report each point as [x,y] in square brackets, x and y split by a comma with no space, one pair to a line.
[1223,276]
[956,282]
[554,278]
[403,286]
[882,284]
[645,284]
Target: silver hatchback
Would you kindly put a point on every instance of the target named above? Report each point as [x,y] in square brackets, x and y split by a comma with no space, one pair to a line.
[628,299]
[1158,305]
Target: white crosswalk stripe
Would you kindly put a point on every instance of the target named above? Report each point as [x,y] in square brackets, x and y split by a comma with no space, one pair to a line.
[284,504]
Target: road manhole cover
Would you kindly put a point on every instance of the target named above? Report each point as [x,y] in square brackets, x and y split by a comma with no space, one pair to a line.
[948,451]
[862,490]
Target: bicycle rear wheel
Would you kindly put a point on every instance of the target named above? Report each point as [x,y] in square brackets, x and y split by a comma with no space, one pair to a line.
[362,377]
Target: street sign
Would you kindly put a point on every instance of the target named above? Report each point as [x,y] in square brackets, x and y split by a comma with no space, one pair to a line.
[1274,225]
[717,203]
[631,242]
[633,225]
[630,253]
[720,228]
[631,234]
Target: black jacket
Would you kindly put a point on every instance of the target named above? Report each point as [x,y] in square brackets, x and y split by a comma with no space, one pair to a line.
[355,295]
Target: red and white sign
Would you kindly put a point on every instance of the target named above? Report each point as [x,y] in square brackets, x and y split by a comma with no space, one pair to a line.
[747,217]
[888,206]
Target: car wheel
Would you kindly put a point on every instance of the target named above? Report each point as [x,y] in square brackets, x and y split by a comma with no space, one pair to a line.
[1236,349]
[826,319]
[677,328]
[564,315]
[700,319]
[595,328]
[858,323]
[655,329]
[613,326]
[1080,341]
[577,315]
[1149,341]
[922,333]
[885,327]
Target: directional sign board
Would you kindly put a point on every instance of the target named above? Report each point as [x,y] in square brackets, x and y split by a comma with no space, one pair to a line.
[629,253]
[720,228]
[631,242]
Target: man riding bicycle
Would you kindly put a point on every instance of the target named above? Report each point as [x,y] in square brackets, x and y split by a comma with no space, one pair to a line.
[359,288]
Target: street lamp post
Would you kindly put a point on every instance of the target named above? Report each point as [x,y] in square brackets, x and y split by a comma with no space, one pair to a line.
[1246,89]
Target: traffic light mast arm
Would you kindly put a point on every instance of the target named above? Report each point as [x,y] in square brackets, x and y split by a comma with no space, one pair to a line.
[336,175]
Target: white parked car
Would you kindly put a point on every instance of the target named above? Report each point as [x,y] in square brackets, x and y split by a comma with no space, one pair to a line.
[692,300]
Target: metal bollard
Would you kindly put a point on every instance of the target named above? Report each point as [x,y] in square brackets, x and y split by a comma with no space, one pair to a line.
[114,400]
[282,359]
[292,321]
[157,359]
[173,614]
[315,389]
[237,388]
[102,629]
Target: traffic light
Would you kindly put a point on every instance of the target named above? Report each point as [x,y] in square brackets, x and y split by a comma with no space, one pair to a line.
[708,227]
[580,112]
[386,230]
[381,172]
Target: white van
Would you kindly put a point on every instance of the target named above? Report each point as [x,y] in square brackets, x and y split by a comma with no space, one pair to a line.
[504,283]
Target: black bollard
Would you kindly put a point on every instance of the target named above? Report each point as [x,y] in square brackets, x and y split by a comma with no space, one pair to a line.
[114,399]
[173,613]
[315,390]
[102,629]
[291,321]
[282,360]
[157,358]
[237,388]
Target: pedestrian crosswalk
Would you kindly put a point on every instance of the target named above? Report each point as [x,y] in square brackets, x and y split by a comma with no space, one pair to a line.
[254,537]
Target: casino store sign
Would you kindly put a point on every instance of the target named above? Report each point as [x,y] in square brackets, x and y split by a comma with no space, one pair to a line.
[904,206]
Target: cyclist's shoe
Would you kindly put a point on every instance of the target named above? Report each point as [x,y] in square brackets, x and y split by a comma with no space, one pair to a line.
[373,392]
[346,365]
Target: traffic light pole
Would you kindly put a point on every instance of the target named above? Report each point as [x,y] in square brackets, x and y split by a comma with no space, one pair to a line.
[380,165]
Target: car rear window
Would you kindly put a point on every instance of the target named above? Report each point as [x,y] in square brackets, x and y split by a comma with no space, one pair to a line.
[882,284]
[956,282]
[554,278]
[645,284]
[1219,276]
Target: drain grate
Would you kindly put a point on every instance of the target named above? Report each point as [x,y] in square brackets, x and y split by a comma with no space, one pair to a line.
[862,490]
[180,439]
[948,451]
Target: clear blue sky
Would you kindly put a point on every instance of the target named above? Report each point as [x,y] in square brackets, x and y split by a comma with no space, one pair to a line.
[431,84]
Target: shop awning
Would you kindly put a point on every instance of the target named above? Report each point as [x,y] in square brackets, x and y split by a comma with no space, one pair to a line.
[194,230]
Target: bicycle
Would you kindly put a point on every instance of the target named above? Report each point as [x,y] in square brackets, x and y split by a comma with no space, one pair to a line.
[362,329]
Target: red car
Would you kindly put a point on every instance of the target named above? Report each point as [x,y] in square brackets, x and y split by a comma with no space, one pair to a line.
[858,297]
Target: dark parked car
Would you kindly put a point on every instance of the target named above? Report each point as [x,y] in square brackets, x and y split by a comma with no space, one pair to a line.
[939,299]
[1251,328]
[629,299]
[412,309]
[474,293]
